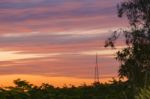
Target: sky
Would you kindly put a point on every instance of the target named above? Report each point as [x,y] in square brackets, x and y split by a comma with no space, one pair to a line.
[56,41]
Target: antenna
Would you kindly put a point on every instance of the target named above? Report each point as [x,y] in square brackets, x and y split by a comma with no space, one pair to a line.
[96,70]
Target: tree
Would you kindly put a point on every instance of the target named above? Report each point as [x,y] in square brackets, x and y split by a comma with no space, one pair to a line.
[135,58]
[143,94]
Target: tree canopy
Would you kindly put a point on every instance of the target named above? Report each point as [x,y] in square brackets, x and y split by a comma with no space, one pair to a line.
[135,58]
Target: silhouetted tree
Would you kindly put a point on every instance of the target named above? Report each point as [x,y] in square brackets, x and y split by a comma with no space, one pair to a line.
[135,58]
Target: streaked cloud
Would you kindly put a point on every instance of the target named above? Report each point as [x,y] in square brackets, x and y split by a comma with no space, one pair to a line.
[57,38]
[16,55]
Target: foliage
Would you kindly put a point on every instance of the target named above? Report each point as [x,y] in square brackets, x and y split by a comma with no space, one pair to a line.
[25,90]
[143,94]
[135,58]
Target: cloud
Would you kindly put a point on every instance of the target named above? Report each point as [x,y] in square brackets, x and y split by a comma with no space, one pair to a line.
[17,55]
[67,65]
[46,16]
[57,37]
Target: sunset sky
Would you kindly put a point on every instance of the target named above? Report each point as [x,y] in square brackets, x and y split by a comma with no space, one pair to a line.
[56,41]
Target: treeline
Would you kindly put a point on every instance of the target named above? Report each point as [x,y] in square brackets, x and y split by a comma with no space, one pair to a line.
[113,90]
[25,90]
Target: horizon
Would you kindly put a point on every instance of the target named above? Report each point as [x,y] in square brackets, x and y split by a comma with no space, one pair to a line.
[56,41]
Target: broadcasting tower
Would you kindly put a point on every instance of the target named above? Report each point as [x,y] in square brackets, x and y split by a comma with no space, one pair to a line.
[96,76]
